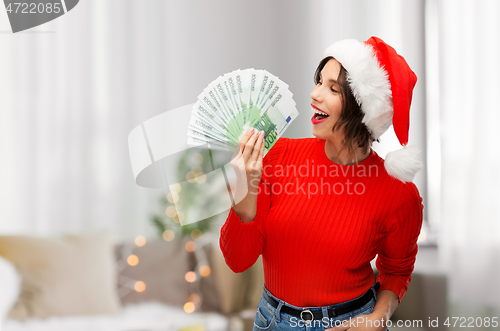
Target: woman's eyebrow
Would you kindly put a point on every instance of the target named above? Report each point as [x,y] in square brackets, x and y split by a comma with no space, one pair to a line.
[331,80]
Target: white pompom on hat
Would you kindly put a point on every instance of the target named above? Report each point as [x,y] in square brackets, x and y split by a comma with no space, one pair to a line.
[382,83]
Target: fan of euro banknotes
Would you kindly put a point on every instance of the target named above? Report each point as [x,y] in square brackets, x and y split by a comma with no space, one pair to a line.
[236,101]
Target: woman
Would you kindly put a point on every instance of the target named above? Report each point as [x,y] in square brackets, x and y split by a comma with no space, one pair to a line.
[320,209]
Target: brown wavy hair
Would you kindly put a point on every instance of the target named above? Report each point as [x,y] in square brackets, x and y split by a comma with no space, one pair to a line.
[350,121]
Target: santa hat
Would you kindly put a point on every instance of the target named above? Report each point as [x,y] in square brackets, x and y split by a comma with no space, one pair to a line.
[382,83]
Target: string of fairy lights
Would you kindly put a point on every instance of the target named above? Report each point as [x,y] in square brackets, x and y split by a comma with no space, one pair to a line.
[195,245]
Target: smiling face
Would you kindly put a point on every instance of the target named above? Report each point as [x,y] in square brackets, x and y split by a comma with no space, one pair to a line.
[326,97]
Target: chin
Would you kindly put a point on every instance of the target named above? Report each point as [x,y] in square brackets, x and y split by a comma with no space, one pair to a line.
[322,137]
[318,134]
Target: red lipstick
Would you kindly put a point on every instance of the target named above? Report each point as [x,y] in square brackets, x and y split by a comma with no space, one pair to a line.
[316,121]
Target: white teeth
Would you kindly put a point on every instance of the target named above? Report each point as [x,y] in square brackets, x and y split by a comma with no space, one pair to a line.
[318,111]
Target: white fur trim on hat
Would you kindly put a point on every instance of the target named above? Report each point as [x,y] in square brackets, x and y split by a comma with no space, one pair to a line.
[403,163]
[369,83]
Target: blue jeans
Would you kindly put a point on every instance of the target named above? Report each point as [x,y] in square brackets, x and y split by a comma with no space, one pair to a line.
[270,318]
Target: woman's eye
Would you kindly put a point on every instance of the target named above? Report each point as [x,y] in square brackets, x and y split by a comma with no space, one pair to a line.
[333,90]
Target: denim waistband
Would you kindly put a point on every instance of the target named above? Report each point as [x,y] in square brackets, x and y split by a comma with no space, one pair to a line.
[318,307]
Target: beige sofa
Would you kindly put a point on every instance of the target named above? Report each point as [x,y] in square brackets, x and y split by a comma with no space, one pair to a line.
[162,267]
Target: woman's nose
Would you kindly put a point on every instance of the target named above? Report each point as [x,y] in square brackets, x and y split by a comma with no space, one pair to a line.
[315,94]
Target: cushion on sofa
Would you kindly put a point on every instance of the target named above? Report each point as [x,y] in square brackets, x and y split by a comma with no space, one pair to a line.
[162,268]
[66,275]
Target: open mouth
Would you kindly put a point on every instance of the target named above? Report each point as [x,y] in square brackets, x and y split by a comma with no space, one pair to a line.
[318,116]
[318,113]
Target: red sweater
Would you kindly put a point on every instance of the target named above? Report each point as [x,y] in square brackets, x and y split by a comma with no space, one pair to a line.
[319,224]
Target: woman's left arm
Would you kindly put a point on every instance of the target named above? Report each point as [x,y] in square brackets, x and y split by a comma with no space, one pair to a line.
[395,261]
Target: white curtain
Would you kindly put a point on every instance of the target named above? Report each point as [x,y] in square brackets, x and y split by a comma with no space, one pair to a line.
[469,70]
[72,89]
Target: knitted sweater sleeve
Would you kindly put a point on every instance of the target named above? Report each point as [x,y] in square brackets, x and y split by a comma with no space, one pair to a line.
[242,243]
[395,261]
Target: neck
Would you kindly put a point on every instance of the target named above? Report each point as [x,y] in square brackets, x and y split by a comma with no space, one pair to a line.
[332,148]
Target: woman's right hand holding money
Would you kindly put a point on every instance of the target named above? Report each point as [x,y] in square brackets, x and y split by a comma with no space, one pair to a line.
[247,165]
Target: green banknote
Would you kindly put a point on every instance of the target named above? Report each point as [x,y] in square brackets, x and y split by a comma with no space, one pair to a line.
[232,103]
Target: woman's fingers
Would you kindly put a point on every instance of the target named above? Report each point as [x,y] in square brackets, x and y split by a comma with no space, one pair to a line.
[244,139]
[249,146]
[258,147]
[261,153]
[238,152]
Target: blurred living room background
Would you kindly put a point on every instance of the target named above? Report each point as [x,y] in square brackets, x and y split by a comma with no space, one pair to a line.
[93,248]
